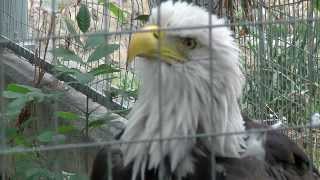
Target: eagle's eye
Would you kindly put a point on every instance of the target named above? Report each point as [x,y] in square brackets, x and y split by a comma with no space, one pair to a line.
[189,43]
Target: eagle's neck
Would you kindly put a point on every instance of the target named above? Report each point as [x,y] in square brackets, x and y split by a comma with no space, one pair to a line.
[186,109]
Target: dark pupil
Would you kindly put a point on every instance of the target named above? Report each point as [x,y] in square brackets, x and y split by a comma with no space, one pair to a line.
[189,42]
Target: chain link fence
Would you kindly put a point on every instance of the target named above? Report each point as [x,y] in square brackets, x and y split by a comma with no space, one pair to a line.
[83,43]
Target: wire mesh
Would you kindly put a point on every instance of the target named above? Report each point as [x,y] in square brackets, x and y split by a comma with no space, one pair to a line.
[279,53]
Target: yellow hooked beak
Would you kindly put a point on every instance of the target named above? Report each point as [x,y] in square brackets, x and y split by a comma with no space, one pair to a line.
[154,44]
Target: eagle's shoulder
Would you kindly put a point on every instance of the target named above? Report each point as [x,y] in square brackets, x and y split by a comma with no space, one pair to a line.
[280,149]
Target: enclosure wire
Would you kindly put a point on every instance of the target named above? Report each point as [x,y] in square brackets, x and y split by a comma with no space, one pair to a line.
[211,76]
[310,36]
[168,29]
[13,150]
[5,150]
[3,123]
[161,173]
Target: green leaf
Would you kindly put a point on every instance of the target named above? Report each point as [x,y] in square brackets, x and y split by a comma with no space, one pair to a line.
[18,104]
[27,123]
[97,123]
[117,12]
[46,136]
[94,41]
[83,18]
[66,129]
[67,115]
[38,173]
[316,4]
[18,88]
[80,77]
[66,55]
[101,1]
[65,70]
[102,51]
[37,96]
[11,132]
[103,69]
[12,114]
[83,78]
[143,17]
[11,95]
[21,140]
[72,30]
[79,177]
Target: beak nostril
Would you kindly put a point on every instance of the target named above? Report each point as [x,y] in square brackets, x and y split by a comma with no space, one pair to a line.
[156,35]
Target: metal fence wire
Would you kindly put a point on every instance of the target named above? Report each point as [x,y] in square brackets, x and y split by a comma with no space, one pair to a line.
[64,76]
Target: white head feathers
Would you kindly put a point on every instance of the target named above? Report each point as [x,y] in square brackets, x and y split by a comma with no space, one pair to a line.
[187,107]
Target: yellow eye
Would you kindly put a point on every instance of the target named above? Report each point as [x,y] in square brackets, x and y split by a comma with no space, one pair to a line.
[189,42]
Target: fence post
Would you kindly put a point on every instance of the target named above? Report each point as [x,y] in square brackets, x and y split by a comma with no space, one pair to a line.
[3,123]
[261,56]
[312,72]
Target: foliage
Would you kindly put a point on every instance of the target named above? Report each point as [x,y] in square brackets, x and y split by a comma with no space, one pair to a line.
[316,4]
[20,95]
[282,70]
[116,11]
[31,165]
[91,52]
[142,17]
[83,18]
[128,87]
[72,30]
[36,164]
[95,46]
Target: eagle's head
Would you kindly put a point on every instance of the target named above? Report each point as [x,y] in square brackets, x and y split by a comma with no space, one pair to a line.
[191,82]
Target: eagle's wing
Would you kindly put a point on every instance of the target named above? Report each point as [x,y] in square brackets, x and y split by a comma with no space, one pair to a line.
[285,155]
[284,160]
[247,168]
[280,150]
[250,168]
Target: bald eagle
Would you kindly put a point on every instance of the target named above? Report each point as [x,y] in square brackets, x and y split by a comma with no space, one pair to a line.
[191,83]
